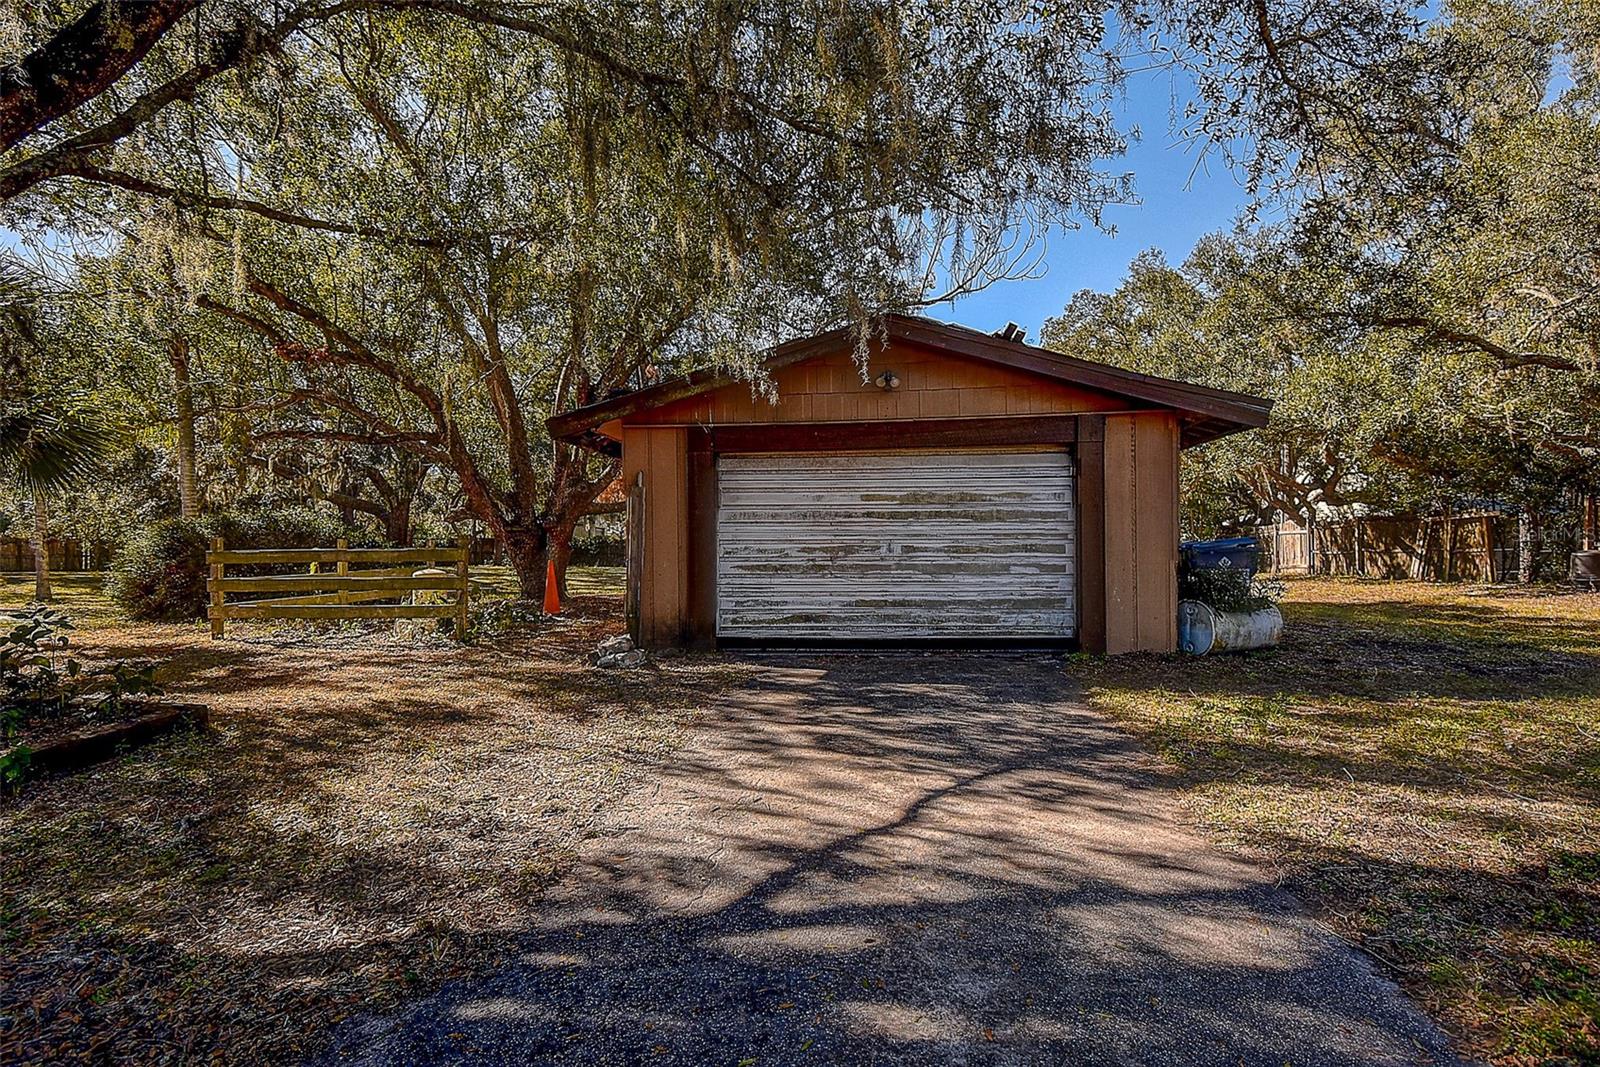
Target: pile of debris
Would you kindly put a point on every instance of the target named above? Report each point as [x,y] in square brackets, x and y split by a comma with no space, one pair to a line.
[619,652]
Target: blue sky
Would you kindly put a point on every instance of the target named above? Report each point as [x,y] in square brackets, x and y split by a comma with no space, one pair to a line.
[1175,210]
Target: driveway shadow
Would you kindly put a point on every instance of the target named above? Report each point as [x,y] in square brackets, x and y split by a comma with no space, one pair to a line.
[911,859]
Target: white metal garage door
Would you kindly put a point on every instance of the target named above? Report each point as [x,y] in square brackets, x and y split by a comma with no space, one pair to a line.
[886,545]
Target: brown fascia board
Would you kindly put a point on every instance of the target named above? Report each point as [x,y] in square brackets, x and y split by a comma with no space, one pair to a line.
[1221,411]
[1249,411]
[572,423]
[1201,430]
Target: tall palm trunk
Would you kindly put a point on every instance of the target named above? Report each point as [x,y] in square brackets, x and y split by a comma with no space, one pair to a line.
[188,492]
[41,549]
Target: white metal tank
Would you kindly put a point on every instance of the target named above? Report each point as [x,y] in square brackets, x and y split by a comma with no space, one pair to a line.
[1203,630]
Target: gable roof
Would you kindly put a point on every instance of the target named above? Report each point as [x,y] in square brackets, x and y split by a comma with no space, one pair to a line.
[1206,413]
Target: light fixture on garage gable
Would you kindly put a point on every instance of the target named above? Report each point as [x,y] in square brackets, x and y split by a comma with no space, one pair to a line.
[887,381]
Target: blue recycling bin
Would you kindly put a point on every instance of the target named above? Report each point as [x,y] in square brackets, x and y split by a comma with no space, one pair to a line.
[1230,553]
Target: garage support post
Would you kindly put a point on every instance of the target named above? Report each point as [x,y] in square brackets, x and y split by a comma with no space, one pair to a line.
[1091,577]
[700,615]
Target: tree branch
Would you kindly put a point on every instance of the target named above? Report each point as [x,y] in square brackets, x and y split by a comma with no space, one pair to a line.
[134,183]
[245,41]
[80,62]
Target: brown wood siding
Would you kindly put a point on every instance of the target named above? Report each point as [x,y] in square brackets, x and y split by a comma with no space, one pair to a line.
[1121,512]
[1091,494]
[700,623]
[661,455]
[1127,464]
[932,386]
[1141,532]
[1156,546]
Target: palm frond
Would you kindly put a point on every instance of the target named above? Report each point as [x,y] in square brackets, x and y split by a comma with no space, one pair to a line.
[48,445]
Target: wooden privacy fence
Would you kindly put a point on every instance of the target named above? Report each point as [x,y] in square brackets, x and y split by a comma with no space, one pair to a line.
[65,554]
[1474,548]
[331,590]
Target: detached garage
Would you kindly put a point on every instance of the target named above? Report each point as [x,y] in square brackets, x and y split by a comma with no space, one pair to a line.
[966,489]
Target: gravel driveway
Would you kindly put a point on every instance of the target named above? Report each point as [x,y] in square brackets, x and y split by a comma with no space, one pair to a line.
[911,859]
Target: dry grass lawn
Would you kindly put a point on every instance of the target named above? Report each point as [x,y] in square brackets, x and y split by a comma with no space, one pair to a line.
[365,818]
[369,816]
[1422,764]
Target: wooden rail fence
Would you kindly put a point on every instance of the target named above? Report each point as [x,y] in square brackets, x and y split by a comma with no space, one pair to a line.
[331,590]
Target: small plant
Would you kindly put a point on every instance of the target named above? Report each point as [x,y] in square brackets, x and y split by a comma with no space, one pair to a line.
[34,671]
[14,762]
[499,617]
[123,679]
[39,678]
[32,679]
[1228,589]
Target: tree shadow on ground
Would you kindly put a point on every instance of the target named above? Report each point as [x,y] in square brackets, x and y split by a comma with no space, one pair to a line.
[1426,773]
[364,818]
[910,860]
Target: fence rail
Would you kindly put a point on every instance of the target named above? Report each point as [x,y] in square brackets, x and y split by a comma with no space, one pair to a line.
[338,593]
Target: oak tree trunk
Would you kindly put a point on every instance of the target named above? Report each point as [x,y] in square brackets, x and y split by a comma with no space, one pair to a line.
[82,60]
[559,552]
[1447,569]
[1527,547]
[1313,556]
[530,551]
[525,551]
[397,523]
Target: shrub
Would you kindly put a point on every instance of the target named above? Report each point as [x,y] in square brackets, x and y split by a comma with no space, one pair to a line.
[1228,589]
[599,548]
[160,574]
[293,527]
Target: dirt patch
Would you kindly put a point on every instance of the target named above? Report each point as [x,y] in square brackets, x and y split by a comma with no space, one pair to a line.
[365,819]
[1422,764]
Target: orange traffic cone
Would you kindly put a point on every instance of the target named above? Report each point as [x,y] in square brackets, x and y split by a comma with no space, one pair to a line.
[552,592]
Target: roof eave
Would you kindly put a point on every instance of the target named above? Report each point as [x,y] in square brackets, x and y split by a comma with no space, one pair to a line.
[1219,411]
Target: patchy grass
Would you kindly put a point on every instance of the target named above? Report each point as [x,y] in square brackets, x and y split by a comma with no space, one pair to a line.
[366,818]
[1422,764]
[80,595]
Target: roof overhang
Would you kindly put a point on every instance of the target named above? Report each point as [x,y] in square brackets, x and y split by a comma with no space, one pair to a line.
[1205,413]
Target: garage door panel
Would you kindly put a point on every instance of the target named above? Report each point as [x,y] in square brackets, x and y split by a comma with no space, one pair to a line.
[1019,547]
[896,545]
[931,517]
[1012,581]
[885,626]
